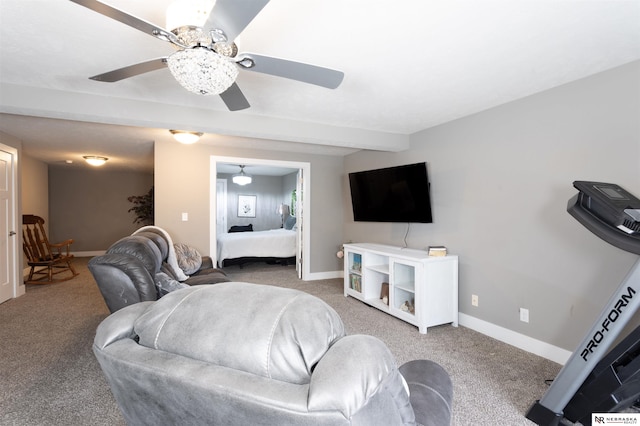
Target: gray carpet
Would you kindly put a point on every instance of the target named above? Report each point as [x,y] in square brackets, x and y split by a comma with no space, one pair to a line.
[49,376]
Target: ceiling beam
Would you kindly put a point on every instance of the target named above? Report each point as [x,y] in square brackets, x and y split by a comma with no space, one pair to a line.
[50,103]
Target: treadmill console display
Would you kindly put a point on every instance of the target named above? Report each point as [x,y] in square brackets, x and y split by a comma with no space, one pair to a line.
[608,211]
[614,193]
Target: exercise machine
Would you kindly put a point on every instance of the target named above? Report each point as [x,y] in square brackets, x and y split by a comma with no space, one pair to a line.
[595,378]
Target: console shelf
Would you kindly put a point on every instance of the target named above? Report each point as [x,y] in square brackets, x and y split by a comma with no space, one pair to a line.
[422,289]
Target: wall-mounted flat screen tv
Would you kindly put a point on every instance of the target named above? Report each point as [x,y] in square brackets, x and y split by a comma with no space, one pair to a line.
[394,194]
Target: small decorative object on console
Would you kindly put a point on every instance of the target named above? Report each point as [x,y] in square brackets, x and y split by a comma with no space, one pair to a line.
[408,307]
[384,293]
[437,251]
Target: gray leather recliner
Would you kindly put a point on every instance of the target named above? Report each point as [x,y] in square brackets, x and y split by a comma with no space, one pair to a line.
[248,354]
[135,269]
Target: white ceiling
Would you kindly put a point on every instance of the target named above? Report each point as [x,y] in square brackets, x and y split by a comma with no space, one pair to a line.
[409,65]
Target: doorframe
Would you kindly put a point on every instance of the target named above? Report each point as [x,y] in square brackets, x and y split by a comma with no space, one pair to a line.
[16,223]
[306,204]
[223,183]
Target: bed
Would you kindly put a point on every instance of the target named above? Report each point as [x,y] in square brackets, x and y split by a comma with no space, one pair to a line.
[278,245]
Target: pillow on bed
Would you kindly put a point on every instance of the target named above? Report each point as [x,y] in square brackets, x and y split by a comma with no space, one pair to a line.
[290,222]
[241,228]
[189,260]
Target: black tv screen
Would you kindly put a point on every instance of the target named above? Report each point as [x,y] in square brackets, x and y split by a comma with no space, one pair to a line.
[394,194]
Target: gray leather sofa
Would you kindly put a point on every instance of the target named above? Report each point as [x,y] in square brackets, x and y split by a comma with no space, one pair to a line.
[136,269]
[249,354]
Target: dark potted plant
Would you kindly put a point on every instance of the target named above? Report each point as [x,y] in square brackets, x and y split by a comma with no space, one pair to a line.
[143,208]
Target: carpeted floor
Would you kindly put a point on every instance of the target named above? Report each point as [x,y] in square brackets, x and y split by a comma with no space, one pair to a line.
[48,373]
[49,376]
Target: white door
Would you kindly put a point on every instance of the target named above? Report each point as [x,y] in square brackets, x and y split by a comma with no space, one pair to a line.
[8,235]
[221,207]
[299,222]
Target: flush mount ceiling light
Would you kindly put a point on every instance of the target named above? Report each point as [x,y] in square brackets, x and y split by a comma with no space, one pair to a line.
[241,178]
[186,137]
[95,160]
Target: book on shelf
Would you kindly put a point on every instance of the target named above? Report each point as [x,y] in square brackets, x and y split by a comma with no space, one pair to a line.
[356,283]
[437,251]
[356,263]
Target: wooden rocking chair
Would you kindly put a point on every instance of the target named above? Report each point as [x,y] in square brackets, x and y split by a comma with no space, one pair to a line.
[46,260]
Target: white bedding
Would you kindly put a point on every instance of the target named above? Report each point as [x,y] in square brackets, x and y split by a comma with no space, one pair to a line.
[271,243]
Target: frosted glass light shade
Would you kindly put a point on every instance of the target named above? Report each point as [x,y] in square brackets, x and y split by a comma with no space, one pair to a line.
[95,160]
[186,137]
[242,178]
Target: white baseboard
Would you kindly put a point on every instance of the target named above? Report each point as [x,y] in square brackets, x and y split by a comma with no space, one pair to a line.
[518,340]
[26,270]
[88,253]
[314,276]
[505,335]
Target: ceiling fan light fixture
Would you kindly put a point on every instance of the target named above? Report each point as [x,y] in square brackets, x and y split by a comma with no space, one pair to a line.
[186,137]
[225,49]
[242,178]
[95,160]
[191,36]
[246,62]
[202,71]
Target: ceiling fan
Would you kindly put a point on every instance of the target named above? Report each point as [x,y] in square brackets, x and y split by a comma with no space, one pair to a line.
[207,61]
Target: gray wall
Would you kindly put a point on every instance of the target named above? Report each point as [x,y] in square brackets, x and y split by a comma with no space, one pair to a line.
[91,206]
[269,192]
[500,182]
[35,188]
[289,183]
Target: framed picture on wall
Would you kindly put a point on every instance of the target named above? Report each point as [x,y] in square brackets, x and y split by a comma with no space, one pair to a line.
[247,205]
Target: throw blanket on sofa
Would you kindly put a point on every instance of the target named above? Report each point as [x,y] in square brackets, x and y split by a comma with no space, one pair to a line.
[172,259]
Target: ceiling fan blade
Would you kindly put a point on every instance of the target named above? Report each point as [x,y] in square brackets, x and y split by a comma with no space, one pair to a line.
[233,16]
[125,18]
[234,98]
[306,73]
[131,70]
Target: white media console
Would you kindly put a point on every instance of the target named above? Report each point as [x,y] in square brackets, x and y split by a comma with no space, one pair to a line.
[406,283]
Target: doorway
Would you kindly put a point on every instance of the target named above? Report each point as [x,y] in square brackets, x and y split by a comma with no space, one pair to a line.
[304,220]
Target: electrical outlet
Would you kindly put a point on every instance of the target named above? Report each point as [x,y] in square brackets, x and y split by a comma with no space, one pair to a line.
[474,300]
[524,315]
